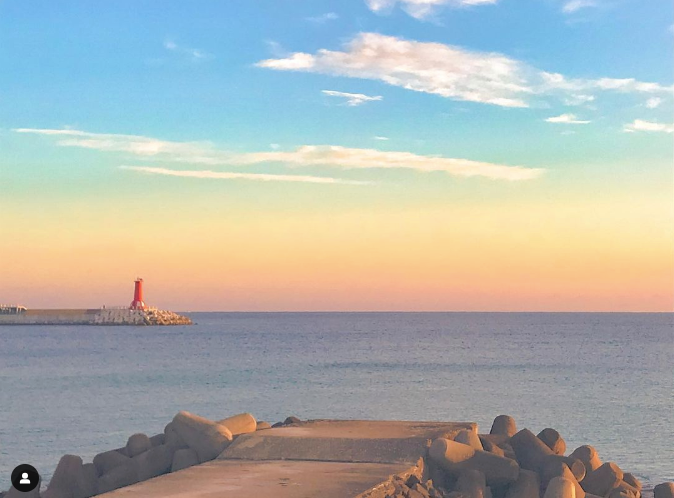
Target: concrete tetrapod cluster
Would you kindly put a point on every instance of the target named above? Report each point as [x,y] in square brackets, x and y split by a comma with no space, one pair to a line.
[186,441]
[503,464]
[511,464]
[163,317]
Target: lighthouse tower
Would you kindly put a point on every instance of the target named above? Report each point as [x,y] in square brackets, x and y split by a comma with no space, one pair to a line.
[138,303]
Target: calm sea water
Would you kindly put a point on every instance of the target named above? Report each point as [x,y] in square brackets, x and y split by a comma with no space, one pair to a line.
[601,379]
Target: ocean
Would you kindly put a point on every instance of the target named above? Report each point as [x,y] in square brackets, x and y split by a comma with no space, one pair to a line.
[604,379]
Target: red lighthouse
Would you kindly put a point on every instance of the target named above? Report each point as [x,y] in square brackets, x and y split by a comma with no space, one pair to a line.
[137,303]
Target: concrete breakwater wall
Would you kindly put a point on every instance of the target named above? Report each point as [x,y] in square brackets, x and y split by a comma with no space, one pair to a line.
[101,316]
[239,457]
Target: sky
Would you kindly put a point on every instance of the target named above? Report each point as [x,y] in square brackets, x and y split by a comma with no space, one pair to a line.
[360,155]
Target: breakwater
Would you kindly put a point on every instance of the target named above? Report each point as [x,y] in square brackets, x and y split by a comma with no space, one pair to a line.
[99,316]
[238,456]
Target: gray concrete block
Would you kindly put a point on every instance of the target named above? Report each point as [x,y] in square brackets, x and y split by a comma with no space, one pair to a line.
[154,462]
[557,468]
[183,459]
[528,485]
[242,423]
[137,444]
[456,457]
[204,436]
[109,460]
[588,455]
[664,490]
[470,438]
[504,425]
[489,446]
[158,439]
[68,471]
[553,440]
[560,487]
[632,481]
[119,477]
[575,465]
[471,483]
[602,480]
[86,485]
[529,450]
[171,437]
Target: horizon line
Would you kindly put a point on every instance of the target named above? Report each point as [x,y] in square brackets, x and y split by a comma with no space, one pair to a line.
[428,311]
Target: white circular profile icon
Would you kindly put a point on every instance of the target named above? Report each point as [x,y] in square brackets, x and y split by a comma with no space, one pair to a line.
[25,478]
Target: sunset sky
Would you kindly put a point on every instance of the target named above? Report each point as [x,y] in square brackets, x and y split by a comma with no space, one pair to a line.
[496,155]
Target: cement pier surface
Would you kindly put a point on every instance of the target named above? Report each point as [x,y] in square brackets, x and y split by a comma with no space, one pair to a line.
[271,479]
[321,458]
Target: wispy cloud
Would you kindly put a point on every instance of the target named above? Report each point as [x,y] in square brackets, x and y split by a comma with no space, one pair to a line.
[193,53]
[578,99]
[350,158]
[566,119]
[353,99]
[148,147]
[421,9]
[424,67]
[323,18]
[275,48]
[653,102]
[223,175]
[378,137]
[305,155]
[449,71]
[572,6]
[641,125]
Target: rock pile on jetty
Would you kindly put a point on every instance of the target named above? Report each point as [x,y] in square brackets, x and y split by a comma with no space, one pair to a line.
[186,441]
[507,463]
[163,317]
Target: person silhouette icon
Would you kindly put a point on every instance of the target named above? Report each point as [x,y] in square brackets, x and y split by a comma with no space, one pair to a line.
[25,478]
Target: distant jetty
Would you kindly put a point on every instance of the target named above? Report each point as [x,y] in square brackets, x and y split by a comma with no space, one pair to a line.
[138,313]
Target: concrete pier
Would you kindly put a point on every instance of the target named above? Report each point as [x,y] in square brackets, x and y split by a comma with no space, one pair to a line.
[100,316]
[264,479]
[326,458]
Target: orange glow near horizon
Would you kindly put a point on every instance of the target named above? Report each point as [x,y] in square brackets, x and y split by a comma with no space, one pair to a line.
[435,258]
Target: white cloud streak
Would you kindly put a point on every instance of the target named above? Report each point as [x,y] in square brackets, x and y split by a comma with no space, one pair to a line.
[147,147]
[448,71]
[193,53]
[303,156]
[225,175]
[648,126]
[353,99]
[653,102]
[421,9]
[566,119]
[575,5]
[578,99]
[350,158]
[423,67]
[323,18]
